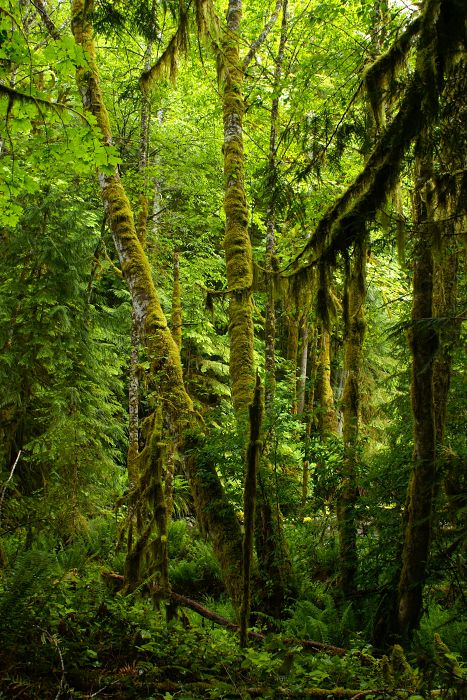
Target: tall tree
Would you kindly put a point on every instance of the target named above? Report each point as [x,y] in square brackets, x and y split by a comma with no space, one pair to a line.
[161,349]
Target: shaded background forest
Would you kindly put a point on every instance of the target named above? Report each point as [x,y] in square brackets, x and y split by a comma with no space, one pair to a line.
[195,199]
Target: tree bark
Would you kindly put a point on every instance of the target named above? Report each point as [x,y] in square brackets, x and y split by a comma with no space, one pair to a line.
[348,492]
[237,243]
[213,509]
[327,418]
[249,505]
[423,343]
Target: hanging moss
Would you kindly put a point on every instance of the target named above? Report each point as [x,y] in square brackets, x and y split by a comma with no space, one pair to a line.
[342,224]
[166,65]
[379,77]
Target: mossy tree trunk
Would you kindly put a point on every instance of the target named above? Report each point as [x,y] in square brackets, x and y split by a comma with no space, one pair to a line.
[312,365]
[423,343]
[176,327]
[451,218]
[237,243]
[273,558]
[133,383]
[302,369]
[155,334]
[437,64]
[353,351]
[327,417]
[293,335]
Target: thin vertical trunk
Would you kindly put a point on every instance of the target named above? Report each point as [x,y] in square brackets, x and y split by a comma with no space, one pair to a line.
[292,356]
[249,505]
[270,326]
[327,417]
[133,384]
[348,491]
[301,384]
[176,325]
[423,343]
[444,307]
[355,327]
[176,303]
[312,364]
[273,558]
[133,406]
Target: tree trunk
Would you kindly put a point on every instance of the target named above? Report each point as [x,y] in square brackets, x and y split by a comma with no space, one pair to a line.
[133,384]
[249,505]
[237,243]
[273,558]
[176,325]
[213,509]
[348,493]
[292,356]
[301,384]
[423,343]
[327,417]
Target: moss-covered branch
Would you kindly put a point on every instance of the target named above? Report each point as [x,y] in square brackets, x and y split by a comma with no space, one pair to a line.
[263,36]
[344,222]
[166,65]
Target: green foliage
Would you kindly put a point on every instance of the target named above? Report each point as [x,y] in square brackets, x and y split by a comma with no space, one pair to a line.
[321,620]
[198,572]
[64,346]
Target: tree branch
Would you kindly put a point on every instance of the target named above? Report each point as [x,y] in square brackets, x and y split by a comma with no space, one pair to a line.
[262,37]
[50,26]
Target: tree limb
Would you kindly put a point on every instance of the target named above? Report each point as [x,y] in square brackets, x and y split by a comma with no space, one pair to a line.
[50,26]
[262,37]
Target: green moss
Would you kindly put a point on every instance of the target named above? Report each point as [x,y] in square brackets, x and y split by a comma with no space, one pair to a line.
[166,65]
[87,76]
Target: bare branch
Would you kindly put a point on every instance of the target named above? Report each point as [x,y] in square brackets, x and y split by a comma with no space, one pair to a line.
[262,37]
[51,28]
[12,471]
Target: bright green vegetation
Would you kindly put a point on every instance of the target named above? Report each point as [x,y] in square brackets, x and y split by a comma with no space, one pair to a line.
[232,400]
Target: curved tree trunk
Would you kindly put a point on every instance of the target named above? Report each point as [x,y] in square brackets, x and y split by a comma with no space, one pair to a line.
[162,351]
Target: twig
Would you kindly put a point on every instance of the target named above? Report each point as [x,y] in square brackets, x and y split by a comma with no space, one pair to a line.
[8,481]
[53,639]
[93,695]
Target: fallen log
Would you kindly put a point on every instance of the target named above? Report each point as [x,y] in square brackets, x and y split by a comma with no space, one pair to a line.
[183,601]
